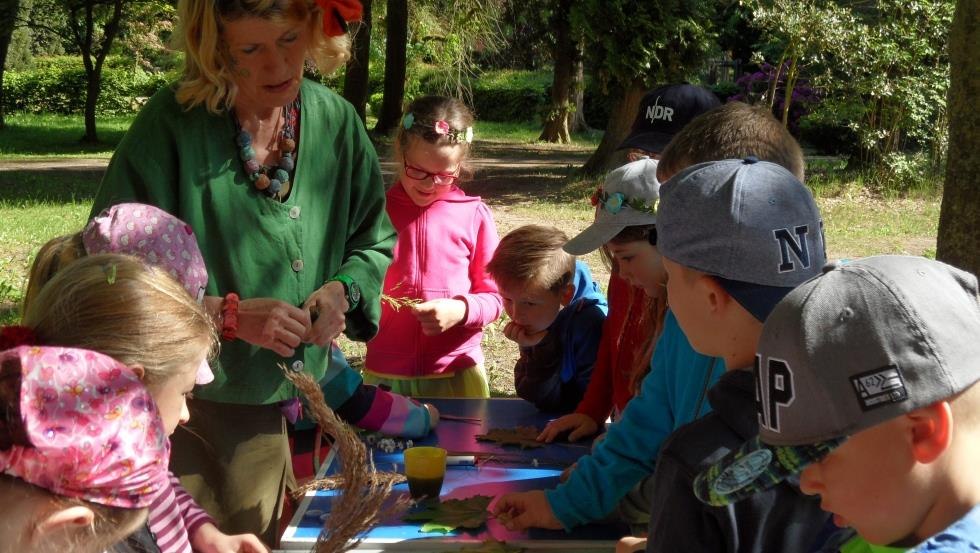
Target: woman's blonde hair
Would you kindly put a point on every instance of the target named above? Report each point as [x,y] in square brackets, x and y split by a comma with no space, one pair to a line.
[132,312]
[208,65]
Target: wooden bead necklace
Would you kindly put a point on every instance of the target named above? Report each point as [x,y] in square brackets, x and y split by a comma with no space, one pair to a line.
[274,181]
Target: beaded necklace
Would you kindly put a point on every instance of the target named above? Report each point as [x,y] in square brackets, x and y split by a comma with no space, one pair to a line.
[274,181]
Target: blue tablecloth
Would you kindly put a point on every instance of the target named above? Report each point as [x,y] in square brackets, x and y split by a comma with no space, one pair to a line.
[508,469]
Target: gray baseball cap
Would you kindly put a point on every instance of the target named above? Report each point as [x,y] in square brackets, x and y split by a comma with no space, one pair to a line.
[750,223]
[865,342]
[628,198]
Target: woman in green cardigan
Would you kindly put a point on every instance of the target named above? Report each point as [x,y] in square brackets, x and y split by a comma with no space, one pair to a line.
[277,178]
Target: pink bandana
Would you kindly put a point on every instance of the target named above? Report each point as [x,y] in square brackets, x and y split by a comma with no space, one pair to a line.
[159,239]
[95,431]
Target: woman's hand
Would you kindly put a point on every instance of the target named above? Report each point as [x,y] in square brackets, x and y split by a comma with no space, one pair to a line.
[208,539]
[438,316]
[579,425]
[517,333]
[272,324]
[329,304]
[519,511]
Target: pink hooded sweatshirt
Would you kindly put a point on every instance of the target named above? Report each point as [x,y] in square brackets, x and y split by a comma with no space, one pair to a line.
[442,252]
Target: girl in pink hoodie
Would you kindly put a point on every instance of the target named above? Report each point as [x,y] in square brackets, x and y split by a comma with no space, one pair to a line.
[437,295]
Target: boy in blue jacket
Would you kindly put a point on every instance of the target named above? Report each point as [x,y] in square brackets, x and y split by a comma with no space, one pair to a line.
[556,313]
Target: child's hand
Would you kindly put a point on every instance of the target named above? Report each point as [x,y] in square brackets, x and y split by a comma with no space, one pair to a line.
[630,544]
[567,473]
[577,424]
[526,510]
[438,316]
[516,332]
[433,415]
[208,539]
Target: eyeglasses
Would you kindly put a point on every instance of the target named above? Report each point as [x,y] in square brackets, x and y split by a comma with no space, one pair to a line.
[438,179]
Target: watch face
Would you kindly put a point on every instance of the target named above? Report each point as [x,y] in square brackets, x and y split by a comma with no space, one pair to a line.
[354,291]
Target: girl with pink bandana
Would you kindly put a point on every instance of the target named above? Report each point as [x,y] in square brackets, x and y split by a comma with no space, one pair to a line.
[138,314]
[83,450]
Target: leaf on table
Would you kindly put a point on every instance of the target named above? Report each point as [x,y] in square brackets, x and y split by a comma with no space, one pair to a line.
[446,516]
[524,436]
[492,546]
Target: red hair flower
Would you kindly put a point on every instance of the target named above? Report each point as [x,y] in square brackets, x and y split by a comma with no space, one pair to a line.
[441,127]
[595,197]
[336,14]
[13,336]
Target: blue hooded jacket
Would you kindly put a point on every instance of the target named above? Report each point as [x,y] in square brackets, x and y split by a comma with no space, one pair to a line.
[555,373]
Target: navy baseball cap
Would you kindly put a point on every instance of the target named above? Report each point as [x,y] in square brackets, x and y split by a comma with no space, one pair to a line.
[748,223]
[664,112]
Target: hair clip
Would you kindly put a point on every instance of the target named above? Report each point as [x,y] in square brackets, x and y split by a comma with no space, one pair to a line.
[336,14]
[110,273]
[408,120]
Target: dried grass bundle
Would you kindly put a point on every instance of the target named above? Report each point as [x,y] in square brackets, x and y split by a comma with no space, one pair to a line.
[337,482]
[360,505]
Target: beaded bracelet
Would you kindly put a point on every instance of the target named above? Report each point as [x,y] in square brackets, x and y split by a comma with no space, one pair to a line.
[229,317]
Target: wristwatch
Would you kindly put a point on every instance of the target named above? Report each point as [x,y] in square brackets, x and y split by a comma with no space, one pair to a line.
[352,292]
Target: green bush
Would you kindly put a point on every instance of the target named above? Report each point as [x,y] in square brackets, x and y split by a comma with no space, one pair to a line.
[57,85]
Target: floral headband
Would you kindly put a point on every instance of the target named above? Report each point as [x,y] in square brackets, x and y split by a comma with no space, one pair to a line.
[336,14]
[440,128]
[94,432]
[615,202]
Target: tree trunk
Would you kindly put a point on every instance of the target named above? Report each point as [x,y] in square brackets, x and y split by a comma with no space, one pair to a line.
[579,124]
[558,117]
[356,80]
[395,51]
[8,14]
[93,69]
[621,119]
[958,242]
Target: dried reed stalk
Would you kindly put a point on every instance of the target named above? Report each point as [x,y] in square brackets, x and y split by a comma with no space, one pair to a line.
[360,505]
[397,303]
[337,482]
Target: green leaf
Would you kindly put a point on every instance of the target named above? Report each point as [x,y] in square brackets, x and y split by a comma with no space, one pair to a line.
[524,436]
[448,515]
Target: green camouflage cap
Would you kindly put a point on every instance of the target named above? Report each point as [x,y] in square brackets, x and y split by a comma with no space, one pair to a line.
[755,467]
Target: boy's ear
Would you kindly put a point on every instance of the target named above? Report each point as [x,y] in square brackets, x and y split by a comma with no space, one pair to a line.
[715,297]
[932,431]
[65,519]
[566,293]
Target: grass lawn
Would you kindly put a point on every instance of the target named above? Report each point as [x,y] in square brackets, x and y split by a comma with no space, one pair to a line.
[48,136]
[522,182]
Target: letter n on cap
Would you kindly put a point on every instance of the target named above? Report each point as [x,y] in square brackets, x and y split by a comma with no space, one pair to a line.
[788,243]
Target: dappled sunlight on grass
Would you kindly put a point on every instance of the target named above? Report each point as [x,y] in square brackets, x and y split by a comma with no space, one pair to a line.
[43,136]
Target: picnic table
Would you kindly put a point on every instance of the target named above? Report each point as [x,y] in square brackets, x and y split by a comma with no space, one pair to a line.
[498,470]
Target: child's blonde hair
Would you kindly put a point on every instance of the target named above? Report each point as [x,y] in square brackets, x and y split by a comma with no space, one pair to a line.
[110,525]
[532,255]
[421,116]
[132,312]
[53,255]
[208,66]
[732,131]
